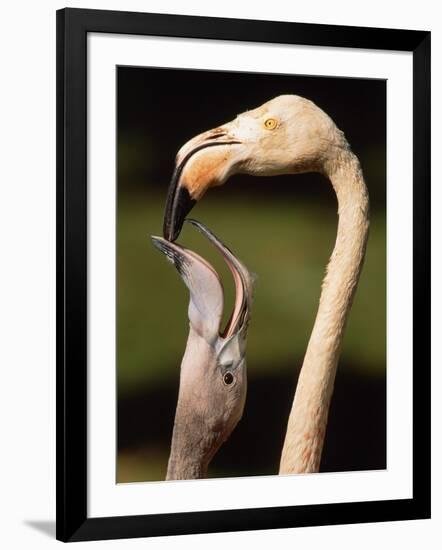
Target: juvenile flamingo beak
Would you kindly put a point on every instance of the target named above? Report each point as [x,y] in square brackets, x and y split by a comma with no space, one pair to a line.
[204,284]
[200,164]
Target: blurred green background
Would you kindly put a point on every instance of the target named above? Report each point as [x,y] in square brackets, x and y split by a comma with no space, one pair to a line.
[284,230]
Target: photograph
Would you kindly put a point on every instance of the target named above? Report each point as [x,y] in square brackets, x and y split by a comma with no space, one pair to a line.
[217,260]
[250,274]
[243,274]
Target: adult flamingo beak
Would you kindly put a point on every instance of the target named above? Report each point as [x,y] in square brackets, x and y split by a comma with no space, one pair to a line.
[203,162]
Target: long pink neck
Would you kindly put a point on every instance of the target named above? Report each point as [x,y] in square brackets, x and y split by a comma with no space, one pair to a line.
[308,418]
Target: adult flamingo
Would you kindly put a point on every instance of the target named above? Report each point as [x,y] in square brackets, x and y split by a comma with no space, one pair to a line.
[289,135]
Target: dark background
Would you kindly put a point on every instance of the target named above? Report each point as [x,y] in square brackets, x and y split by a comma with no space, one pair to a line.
[284,229]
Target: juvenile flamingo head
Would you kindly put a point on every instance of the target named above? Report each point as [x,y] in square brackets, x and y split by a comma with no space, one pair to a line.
[213,378]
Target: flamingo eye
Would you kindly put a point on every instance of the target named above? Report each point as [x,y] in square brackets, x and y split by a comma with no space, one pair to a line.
[270,124]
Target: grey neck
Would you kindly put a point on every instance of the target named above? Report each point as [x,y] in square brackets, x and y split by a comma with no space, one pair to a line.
[193,446]
[183,465]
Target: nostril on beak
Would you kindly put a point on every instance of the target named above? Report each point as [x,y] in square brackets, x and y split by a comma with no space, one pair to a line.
[215,134]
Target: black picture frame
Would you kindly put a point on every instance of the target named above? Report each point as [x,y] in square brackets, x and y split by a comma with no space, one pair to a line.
[73,25]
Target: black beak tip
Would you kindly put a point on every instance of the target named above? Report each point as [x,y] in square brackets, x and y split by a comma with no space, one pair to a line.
[179,204]
[171,233]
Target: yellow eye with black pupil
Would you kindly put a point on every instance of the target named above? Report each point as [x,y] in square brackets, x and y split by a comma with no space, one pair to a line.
[270,124]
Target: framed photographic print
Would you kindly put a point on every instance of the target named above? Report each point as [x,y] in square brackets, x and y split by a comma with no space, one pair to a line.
[277,374]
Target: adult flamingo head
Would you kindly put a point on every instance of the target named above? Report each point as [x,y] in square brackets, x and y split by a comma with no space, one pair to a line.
[288,134]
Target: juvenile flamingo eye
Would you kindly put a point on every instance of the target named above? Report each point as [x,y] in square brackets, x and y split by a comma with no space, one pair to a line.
[228,378]
[270,124]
